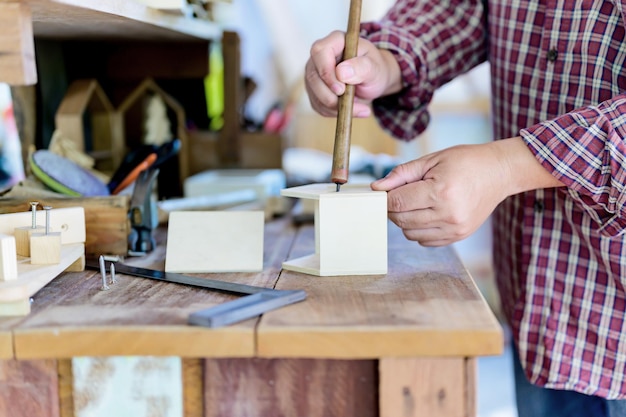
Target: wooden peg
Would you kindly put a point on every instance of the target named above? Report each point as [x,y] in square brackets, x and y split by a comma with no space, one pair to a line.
[24,233]
[45,248]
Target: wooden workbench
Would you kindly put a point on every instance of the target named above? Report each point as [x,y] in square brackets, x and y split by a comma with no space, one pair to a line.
[401,344]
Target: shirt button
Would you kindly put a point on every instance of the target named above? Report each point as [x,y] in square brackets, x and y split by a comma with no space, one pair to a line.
[552,55]
[538,206]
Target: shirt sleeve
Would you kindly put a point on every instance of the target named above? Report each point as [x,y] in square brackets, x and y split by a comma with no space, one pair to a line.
[586,150]
[433,41]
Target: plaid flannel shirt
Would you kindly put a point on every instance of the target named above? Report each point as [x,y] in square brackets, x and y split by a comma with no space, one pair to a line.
[558,80]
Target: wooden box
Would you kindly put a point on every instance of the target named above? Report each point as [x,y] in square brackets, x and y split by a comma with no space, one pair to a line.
[106,220]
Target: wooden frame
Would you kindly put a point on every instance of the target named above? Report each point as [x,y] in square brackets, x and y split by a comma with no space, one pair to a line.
[350,230]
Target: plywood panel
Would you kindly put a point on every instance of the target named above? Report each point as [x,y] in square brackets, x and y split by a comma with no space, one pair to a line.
[290,387]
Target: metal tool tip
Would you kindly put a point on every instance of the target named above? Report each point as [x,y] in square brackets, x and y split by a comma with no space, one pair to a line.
[338,186]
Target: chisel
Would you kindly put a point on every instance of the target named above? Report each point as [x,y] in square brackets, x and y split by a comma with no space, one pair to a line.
[341,151]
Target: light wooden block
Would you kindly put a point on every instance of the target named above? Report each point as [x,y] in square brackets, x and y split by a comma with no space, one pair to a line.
[17,46]
[69,221]
[45,249]
[8,258]
[215,241]
[22,239]
[350,230]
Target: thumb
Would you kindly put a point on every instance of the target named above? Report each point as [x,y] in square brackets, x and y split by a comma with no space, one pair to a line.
[400,175]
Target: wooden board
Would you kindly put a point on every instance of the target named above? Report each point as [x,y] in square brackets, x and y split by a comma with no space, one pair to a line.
[69,221]
[433,387]
[114,20]
[31,278]
[290,387]
[29,388]
[215,241]
[106,224]
[426,305]
[17,49]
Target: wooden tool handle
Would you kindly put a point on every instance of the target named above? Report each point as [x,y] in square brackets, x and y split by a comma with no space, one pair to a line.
[341,152]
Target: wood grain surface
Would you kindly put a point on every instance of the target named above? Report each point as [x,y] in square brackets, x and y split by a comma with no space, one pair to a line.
[29,388]
[433,387]
[113,20]
[17,49]
[426,305]
[290,387]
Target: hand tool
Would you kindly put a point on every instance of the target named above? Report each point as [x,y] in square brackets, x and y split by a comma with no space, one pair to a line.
[256,300]
[341,151]
[143,214]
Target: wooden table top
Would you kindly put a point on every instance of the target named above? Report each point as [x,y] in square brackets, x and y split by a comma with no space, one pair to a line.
[426,305]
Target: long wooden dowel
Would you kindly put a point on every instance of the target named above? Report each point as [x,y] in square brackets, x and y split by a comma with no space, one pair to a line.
[341,152]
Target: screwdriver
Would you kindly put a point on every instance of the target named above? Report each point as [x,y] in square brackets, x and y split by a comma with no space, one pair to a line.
[341,151]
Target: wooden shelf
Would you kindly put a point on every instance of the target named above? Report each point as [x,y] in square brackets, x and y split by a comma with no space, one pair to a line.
[85,19]
[23,21]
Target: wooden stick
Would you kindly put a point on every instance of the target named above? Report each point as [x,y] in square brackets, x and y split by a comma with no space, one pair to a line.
[341,152]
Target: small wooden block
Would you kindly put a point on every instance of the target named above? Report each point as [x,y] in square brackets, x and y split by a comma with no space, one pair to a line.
[215,241]
[350,230]
[45,249]
[8,258]
[17,46]
[22,239]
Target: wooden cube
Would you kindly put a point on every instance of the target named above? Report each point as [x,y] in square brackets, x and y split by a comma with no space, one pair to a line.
[350,230]
[8,258]
[45,249]
[22,239]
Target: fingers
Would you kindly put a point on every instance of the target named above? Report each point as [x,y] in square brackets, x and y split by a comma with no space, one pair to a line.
[402,174]
[321,81]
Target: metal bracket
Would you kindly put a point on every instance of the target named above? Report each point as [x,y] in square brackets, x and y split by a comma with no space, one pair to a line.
[256,300]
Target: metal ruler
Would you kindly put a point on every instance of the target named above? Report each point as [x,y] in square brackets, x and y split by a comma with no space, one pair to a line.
[255,300]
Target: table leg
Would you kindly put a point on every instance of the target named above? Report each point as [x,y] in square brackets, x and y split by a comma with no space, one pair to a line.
[433,387]
[29,388]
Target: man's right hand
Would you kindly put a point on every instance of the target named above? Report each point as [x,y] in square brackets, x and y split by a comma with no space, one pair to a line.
[375,73]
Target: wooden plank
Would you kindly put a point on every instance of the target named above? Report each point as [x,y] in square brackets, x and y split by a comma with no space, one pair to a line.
[6,344]
[114,20]
[290,387]
[415,387]
[214,241]
[426,305]
[31,278]
[70,221]
[193,387]
[106,220]
[66,388]
[29,388]
[17,48]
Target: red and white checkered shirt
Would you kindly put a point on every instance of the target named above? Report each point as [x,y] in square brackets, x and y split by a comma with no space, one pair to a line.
[558,79]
